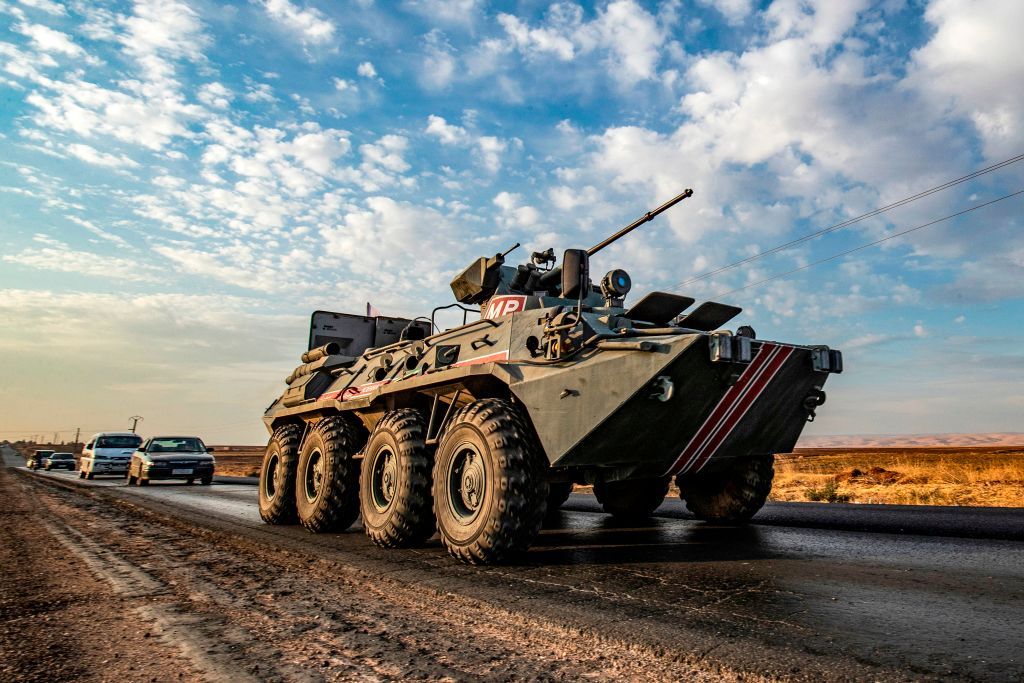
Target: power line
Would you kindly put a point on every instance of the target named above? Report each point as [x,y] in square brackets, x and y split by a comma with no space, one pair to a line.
[870,244]
[851,221]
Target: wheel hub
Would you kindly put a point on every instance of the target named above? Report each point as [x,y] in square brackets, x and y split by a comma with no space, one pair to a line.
[385,478]
[314,475]
[467,484]
[273,472]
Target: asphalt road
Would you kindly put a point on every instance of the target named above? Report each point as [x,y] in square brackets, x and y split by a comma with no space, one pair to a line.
[811,592]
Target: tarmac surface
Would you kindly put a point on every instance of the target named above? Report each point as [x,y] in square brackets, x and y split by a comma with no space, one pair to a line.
[807,592]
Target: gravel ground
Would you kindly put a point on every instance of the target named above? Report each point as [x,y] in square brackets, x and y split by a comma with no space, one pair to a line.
[58,620]
[166,596]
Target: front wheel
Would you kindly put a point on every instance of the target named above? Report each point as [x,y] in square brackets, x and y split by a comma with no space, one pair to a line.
[490,483]
[206,481]
[734,494]
[327,478]
[394,487]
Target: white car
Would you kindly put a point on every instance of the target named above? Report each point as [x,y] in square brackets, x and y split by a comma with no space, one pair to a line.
[108,453]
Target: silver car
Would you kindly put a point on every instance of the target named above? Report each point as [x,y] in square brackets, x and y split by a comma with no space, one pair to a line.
[171,457]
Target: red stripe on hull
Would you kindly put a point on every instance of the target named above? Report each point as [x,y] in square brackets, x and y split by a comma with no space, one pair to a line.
[732,407]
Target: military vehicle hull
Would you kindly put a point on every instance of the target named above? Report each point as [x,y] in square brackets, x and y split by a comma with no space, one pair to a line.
[480,429]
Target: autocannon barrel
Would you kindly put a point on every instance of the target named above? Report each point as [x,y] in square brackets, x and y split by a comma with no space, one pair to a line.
[639,221]
[328,349]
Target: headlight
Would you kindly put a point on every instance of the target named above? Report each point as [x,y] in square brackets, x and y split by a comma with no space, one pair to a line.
[615,284]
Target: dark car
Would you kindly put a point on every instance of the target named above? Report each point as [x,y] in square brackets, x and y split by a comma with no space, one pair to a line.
[35,461]
[59,461]
[171,457]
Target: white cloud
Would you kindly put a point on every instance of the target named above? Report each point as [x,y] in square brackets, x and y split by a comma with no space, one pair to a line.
[92,155]
[444,131]
[629,37]
[57,256]
[437,68]
[49,40]
[258,92]
[452,12]
[489,150]
[735,11]
[47,6]
[309,23]
[215,95]
[341,85]
[515,214]
[366,70]
[968,64]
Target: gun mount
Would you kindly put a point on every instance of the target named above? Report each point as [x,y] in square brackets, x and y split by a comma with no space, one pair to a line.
[486,277]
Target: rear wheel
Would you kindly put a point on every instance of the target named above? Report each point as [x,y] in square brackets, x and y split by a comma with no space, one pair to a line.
[558,493]
[394,487]
[327,479]
[206,481]
[732,495]
[277,476]
[632,498]
[490,483]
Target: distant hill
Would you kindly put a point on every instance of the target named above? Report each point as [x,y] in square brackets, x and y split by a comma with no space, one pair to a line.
[911,440]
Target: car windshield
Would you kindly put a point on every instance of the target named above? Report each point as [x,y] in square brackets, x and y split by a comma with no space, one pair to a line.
[186,444]
[118,442]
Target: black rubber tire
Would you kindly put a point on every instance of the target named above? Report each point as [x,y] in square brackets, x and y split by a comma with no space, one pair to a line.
[558,493]
[632,498]
[732,495]
[277,495]
[333,505]
[206,481]
[493,438]
[407,519]
[190,481]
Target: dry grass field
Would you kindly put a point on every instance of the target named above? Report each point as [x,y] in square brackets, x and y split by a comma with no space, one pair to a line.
[238,461]
[976,475]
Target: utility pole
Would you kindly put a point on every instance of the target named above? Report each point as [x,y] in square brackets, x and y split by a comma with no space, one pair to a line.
[136,419]
[78,430]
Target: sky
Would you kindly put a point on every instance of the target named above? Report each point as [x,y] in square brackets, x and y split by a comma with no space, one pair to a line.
[183,181]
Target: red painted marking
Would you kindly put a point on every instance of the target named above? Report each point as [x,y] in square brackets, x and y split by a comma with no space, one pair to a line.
[732,407]
[503,305]
[743,406]
[492,358]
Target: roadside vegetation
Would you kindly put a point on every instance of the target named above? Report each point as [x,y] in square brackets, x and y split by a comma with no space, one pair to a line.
[985,476]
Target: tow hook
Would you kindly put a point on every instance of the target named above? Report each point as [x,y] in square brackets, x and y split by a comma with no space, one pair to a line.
[812,401]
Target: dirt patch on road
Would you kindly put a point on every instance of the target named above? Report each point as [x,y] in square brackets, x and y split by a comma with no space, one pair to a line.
[58,621]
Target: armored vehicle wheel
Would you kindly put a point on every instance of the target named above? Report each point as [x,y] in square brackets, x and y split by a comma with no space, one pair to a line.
[394,487]
[327,478]
[732,495]
[490,484]
[632,498]
[277,476]
[558,493]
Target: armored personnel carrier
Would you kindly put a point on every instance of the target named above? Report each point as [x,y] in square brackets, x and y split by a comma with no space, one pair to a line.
[478,431]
